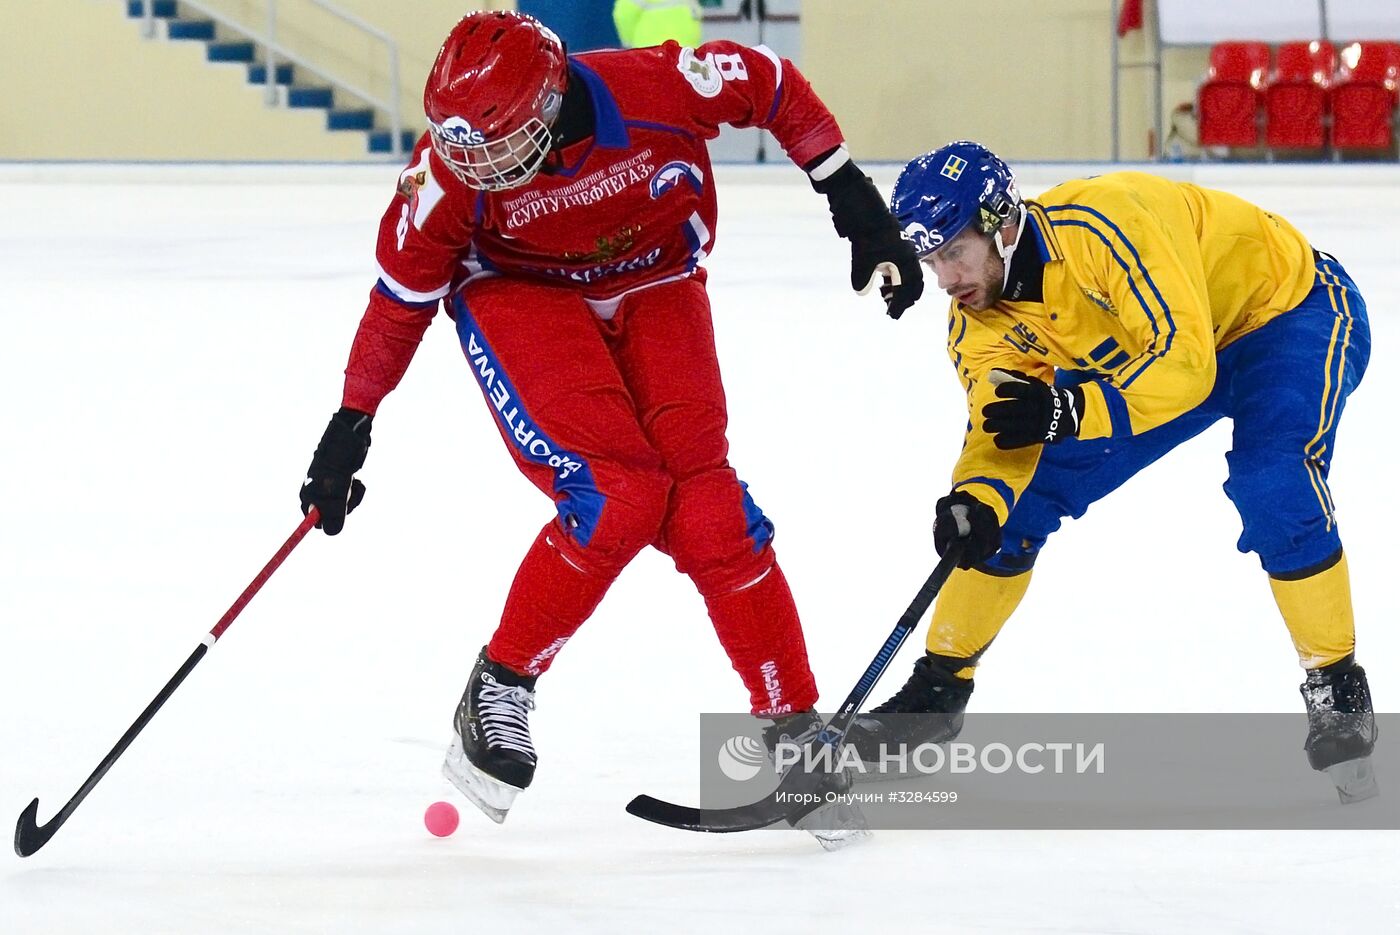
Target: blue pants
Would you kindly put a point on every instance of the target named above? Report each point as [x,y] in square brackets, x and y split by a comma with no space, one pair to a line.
[1284,385]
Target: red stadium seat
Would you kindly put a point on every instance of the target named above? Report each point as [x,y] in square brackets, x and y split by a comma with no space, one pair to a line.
[1295,102]
[1364,96]
[1228,100]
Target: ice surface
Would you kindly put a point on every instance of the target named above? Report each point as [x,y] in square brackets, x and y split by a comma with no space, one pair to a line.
[171,350]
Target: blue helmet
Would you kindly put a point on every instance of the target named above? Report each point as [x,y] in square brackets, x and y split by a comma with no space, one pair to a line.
[942,192]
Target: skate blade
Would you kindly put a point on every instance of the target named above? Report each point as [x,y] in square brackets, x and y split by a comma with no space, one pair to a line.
[839,840]
[1355,780]
[493,797]
[847,827]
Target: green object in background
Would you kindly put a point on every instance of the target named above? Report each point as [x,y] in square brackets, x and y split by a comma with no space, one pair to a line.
[643,23]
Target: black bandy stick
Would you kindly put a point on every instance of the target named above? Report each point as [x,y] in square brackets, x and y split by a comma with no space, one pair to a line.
[29,834]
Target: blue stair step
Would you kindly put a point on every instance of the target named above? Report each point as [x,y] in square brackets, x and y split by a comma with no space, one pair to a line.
[230,52]
[379,141]
[257,74]
[164,9]
[309,97]
[202,29]
[350,120]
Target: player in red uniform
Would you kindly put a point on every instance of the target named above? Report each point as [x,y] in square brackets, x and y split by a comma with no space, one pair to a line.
[562,205]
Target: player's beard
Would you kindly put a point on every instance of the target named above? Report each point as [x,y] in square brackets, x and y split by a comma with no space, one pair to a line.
[993,281]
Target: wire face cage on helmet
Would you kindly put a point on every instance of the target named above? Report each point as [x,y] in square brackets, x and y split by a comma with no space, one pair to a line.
[499,164]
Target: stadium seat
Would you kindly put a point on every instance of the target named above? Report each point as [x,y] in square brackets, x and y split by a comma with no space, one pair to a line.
[1295,101]
[1364,96]
[1228,100]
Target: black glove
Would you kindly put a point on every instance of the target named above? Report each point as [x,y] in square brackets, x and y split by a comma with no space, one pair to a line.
[1029,411]
[877,250]
[330,484]
[960,515]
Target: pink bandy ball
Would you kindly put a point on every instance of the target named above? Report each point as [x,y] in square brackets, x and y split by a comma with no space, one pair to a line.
[441,818]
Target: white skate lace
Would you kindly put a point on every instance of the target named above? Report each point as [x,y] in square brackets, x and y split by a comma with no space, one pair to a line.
[504,712]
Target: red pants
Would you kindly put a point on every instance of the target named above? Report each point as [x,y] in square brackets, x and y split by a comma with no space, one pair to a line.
[622,423]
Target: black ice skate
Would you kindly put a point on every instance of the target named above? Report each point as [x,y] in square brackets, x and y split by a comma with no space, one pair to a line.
[835,824]
[928,709]
[491,758]
[1341,728]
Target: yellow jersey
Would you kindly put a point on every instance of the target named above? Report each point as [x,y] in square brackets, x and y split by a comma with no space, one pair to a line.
[1145,279]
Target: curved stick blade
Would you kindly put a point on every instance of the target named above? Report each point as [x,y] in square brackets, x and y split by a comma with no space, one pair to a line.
[29,835]
[751,817]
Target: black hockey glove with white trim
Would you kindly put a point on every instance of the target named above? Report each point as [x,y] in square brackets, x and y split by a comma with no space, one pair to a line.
[1029,411]
[960,515]
[878,251]
[330,484]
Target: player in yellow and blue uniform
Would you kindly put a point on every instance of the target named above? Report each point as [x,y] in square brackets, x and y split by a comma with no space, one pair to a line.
[1095,329]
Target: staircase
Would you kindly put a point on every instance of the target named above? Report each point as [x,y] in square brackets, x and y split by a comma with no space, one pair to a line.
[294,85]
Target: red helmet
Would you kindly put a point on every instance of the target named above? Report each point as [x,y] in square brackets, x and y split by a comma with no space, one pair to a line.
[492,96]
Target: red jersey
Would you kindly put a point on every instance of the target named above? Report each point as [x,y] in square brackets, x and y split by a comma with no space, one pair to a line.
[632,205]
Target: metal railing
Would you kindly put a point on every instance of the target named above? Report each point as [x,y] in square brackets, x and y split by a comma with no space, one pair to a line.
[1115,69]
[273,52]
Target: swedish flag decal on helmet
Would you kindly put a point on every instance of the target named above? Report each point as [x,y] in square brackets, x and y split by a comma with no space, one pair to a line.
[940,193]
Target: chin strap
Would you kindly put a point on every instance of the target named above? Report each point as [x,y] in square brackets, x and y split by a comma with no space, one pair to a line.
[1004,251]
